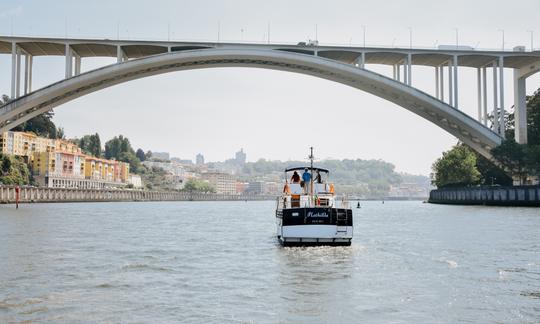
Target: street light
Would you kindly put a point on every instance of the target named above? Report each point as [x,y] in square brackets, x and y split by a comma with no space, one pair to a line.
[410,37]
[364,31]
[532,33]
[502,31]
[457,37]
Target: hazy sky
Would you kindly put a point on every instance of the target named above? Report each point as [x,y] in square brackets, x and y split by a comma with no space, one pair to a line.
[271,114]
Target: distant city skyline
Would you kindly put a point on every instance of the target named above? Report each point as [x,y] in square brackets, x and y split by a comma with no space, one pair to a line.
[272,115]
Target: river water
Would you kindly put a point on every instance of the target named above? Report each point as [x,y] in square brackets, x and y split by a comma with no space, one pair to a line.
[219,262]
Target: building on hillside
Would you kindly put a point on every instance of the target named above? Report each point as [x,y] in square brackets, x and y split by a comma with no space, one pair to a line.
[241,187]
[224,183]
[161,156]
[135,180]
[256,188]
[240,157]
[25,144]
[199,159]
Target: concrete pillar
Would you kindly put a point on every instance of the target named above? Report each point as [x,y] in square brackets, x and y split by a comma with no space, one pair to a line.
[394,73]
[501,94]
[441,80]
[455,63]
[520,109]
[18,76]
[69,62]
[479,94]
[409,69]
[362,61]
[13,69]
[29,68]
[77,65]
[495,123]
[450,85]
[484,90]
[437,82]
[26,65]
[119,54]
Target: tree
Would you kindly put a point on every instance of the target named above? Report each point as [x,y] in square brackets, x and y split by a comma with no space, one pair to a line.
[90,144]
[194,185]
[41,125]
[457,167]
[60,134]
[140,155]
[119,148]
[14,171]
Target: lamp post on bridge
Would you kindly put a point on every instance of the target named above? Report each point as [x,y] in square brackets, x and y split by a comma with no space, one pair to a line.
[364,32]
[532,34]
[457,37]
[502,31]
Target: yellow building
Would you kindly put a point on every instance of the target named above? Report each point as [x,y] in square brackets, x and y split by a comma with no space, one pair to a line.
[25,144]
[61,163]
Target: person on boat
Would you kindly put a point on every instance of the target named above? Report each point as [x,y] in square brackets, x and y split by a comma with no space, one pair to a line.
[318,178]
[295,177]
[306,178]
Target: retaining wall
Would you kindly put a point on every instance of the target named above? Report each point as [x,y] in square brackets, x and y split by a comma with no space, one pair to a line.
[42,195]
[492,195]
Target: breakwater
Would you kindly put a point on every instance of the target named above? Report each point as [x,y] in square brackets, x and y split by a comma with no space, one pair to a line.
[45,195]
[492,195]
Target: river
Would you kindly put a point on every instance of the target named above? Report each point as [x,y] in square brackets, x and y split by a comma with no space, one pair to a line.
[219,262]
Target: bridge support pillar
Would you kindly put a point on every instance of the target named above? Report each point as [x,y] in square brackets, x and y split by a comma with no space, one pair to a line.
[520,108]
[29,60]
[441,80]
[495,123]
[501,94]
[484,95]
[120,55]
[69,62]
[14,71]
[479,94]
[450,85]
[409,69]
[455,75]
[437,90]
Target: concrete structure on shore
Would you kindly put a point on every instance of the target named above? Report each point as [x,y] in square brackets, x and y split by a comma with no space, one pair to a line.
[342,64]
[494,195]
[39,195]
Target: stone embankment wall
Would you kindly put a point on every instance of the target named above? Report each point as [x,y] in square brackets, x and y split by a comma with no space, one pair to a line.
[492,195]
[41,195]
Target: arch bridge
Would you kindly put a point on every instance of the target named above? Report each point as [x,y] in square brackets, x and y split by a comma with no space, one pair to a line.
[346,65]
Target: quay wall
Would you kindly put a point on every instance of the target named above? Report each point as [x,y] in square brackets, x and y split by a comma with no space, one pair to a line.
[46,195]
[487,195]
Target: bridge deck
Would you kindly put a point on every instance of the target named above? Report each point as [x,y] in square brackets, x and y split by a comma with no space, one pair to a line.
[347,54]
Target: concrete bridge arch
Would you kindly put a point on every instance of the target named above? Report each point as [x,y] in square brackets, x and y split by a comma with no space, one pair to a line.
[457,123]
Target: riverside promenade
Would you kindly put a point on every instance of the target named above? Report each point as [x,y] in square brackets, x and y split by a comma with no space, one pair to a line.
[492,195]
[53,195]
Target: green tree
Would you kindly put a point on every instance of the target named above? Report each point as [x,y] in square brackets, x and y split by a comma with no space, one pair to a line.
[194,185]
[140,155]
[119,148]
[90,144]
[14,171]
[456,167]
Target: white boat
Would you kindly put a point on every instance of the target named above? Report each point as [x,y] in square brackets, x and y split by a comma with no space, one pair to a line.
[309,213]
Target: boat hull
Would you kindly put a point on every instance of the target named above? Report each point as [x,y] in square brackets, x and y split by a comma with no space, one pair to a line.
[314,226]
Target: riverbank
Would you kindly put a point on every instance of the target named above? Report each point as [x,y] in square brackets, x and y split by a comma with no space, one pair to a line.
[56,195]
[487,195]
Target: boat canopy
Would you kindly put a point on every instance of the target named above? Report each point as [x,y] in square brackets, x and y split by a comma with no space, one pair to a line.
[307,167]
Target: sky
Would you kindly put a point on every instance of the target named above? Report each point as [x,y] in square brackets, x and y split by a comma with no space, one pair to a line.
[270,114]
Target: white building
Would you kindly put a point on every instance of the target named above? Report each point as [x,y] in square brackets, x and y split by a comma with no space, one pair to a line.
[224,183]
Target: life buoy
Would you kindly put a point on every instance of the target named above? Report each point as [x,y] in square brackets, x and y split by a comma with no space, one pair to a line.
[331,188]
